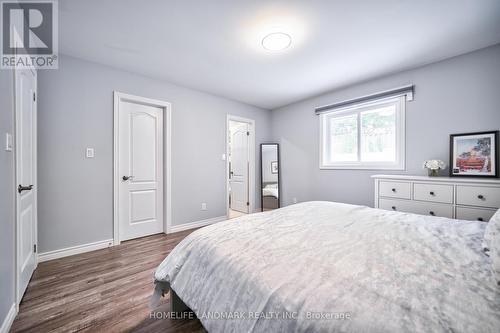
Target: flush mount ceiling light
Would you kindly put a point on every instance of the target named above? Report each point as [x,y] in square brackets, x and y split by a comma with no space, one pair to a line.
[276,41]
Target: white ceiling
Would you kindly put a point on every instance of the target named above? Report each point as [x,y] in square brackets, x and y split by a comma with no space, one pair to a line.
[214,46]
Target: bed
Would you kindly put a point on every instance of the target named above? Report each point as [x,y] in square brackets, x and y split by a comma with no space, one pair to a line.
[270,190]
[325,267]
[270,196]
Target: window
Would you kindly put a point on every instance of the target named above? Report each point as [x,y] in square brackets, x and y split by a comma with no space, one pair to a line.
[369,135]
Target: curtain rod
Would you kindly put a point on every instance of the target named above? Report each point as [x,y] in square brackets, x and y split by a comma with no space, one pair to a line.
[405,90]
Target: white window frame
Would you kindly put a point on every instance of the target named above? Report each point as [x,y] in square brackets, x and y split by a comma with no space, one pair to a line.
[399,164]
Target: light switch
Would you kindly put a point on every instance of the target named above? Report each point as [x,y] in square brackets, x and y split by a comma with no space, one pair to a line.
[89,153]
[203,206]
[8,142]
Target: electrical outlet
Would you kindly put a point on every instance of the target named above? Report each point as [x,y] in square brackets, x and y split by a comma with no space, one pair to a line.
[203,206]
[89,152]
[8,142]
[294,200]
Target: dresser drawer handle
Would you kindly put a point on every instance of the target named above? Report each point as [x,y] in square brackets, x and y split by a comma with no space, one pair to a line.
[480,219]
[432,193]
[480,196]
[393,207]
[432,213]
[393,190]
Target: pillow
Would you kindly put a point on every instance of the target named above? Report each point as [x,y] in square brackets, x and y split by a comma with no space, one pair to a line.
[492,243]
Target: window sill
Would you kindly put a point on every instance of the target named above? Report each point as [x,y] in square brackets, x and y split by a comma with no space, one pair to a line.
[363,167]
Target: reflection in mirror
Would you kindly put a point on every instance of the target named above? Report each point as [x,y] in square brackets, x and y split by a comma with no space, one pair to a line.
[269,157]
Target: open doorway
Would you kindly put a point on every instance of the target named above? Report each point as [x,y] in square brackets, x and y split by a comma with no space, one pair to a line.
[240,152]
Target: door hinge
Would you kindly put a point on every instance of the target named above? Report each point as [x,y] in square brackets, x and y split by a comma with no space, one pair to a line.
[34,248]
[248,203]
[248,133]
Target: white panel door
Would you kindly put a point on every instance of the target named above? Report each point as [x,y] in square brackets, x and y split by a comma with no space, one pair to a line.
[140,165]
[25,101]
[239,168]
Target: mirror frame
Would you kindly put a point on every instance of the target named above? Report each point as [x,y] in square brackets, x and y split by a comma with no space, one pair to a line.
[262,174]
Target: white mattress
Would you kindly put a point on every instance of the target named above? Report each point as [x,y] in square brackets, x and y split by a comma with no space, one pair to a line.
[324,267]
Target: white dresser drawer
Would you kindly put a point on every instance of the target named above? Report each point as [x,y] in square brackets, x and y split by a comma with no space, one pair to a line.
[478,196]
[433,193]
[422,208]
[395,189]
[434,209]
[397,205]
[476,214]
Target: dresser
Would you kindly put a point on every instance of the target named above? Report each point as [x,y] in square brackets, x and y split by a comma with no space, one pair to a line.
[458,198]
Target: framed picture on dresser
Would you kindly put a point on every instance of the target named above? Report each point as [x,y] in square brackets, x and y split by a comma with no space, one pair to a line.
[474,154]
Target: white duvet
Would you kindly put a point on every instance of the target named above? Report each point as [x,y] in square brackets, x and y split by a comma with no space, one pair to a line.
[329,267]
[270,190]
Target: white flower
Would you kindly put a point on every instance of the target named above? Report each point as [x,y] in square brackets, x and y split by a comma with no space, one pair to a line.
[434,164]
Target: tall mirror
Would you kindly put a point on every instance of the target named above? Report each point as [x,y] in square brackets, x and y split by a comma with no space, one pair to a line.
[270,171]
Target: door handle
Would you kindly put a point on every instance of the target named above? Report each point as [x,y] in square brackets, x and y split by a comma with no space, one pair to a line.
[21,188]
[125,178]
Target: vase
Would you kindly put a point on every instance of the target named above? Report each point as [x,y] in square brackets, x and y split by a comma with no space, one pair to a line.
[433,172]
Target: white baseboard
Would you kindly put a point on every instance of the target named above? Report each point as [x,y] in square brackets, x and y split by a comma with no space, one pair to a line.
[196,224]
[69,251]
[9,319]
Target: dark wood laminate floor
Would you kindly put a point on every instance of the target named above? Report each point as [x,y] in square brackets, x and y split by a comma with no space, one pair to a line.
[101,291]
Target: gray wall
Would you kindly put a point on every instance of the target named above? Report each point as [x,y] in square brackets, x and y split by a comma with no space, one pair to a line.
[76,111]
[6,196]
[453,96]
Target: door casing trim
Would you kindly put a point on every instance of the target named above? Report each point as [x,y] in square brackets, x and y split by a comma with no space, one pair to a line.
[167,158]
[251,162]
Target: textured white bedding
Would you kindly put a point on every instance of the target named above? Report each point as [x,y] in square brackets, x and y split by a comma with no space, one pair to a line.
[317,263]
[270,190]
